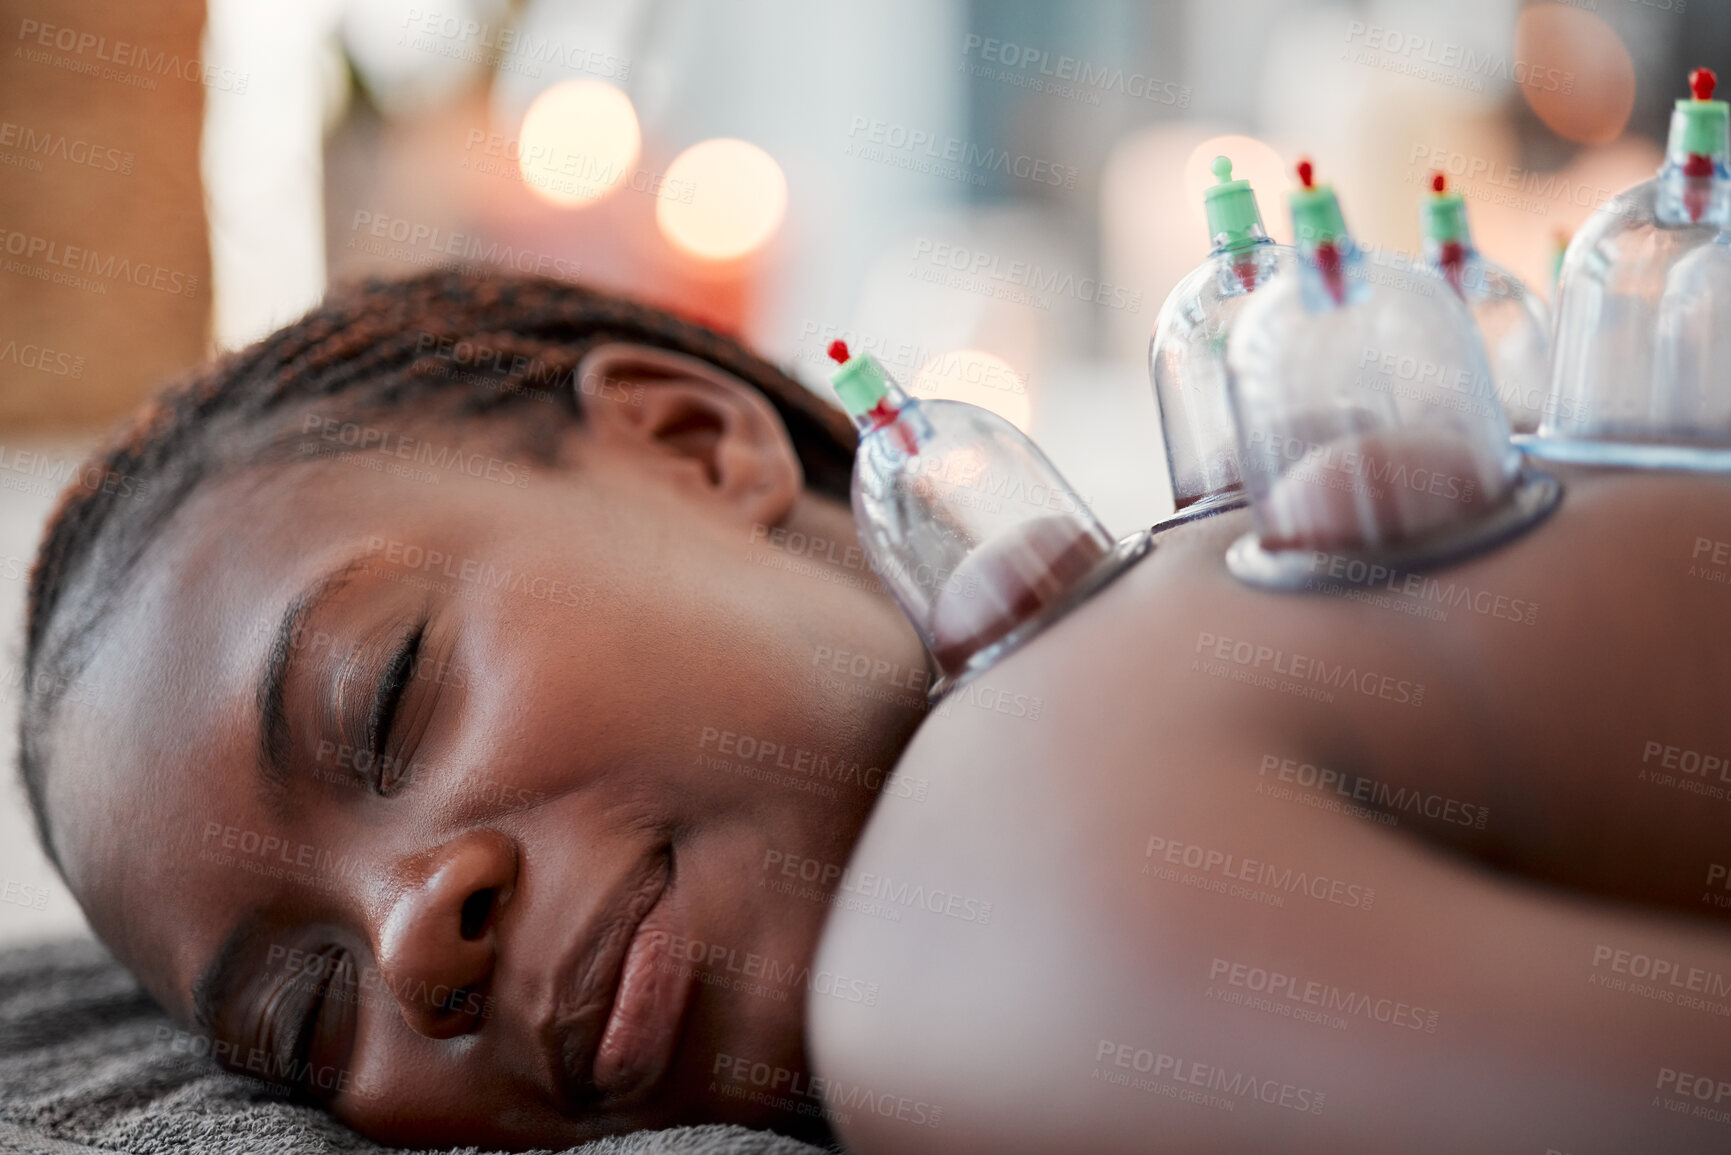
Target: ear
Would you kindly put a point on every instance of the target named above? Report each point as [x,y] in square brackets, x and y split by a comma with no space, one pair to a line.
[713,435]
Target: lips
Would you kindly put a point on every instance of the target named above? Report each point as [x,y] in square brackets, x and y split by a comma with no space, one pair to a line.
[642,1031]
[623,1004]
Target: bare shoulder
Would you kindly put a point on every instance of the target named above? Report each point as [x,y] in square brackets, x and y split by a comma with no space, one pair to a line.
[1180,717]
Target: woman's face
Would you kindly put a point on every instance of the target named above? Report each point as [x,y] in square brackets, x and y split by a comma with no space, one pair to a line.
[464,802]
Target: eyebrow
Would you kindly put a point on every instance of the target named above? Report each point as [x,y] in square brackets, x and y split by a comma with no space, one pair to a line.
[216,982]
[272,689]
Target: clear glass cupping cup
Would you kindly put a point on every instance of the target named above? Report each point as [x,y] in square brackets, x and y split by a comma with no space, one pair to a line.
[1644,313]
[972,530]
[969,526]
[1368,418]
[1187,355]
[1187,360]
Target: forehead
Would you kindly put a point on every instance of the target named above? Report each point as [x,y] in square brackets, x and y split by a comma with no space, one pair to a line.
[161,747]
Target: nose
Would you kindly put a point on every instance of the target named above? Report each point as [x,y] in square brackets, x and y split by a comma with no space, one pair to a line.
[437,941]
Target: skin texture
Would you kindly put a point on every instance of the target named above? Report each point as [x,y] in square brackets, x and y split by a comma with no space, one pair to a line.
[1131,799]
[568,750]
[570,768]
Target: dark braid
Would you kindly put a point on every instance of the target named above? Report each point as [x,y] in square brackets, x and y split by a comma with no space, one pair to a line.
[374,348]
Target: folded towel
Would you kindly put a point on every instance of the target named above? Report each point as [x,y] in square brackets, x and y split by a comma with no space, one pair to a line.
[89,1064]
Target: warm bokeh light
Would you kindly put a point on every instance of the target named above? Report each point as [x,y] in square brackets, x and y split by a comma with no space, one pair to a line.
[979,378]
[738,199]
[1523,234]
[1575,73]
[579,142]
[1252,160]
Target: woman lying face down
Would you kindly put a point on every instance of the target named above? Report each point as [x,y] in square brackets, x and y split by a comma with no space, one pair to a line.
[414,722]
[447,704]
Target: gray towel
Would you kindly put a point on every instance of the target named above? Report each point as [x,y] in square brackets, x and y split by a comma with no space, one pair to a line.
[87,1066]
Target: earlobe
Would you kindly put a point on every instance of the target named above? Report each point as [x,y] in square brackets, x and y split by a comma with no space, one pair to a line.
[709,431]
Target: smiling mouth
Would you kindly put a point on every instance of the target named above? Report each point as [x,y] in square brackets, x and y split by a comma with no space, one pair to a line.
[625,1054]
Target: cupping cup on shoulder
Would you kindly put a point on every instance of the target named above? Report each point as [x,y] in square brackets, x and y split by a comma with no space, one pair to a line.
[1513,321]
[1644,312]
[1367,416]
[971,528]
[1187,354]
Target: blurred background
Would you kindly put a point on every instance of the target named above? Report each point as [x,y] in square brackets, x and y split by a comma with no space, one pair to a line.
[994,196]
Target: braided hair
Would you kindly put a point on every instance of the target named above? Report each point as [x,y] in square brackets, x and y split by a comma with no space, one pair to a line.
[447,344]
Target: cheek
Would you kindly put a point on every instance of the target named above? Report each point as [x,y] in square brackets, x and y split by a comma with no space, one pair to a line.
[403,1089]
[756,898]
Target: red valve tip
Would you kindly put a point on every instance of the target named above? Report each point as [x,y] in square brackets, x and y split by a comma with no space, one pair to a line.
[838,352]
[1438,182]
[1306,174]
[1702,82]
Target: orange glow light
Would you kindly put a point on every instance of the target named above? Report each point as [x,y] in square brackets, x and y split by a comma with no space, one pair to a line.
[738,198]
[1577,75]
[579,141]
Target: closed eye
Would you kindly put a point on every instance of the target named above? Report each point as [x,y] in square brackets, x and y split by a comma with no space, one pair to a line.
[382,715]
